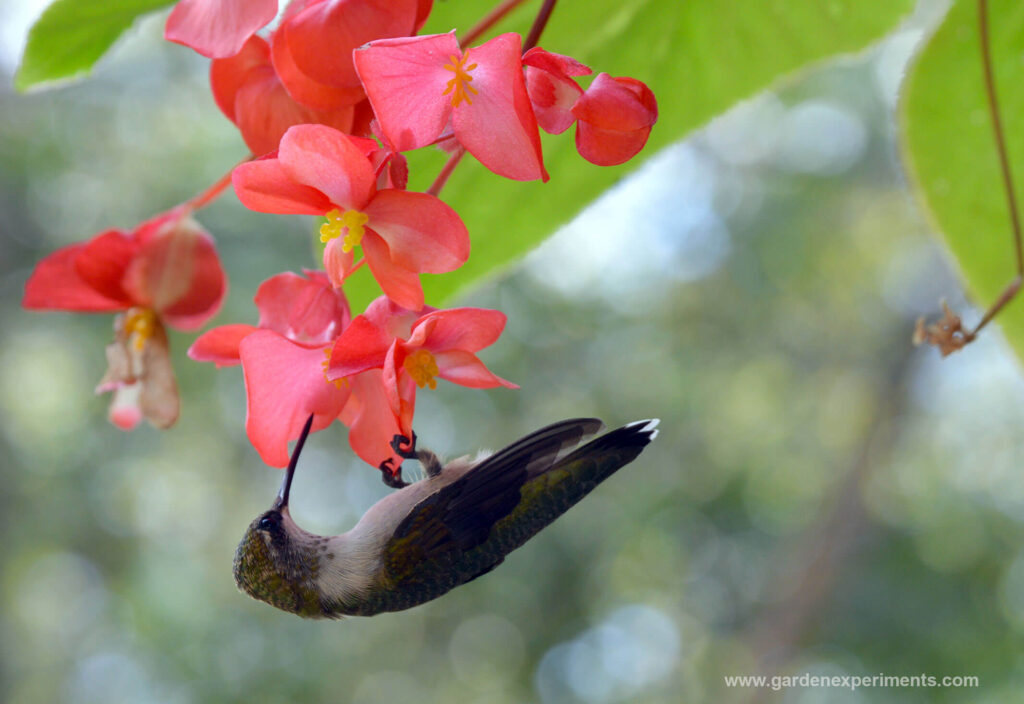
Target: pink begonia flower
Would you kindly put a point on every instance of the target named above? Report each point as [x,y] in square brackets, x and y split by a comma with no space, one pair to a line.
[248,91]
[372,422]
[418,84]
[166,271]
[552,89]
[284,361]
[217,28]
[321,37]
[284,384]
[304,309]
[320,171]
[412,351]
[284,368]
[613,119]
[302,87]
[312,47]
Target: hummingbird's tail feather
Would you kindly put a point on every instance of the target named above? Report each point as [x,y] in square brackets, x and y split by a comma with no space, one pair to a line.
[564,483]
[538,450]
[624,444]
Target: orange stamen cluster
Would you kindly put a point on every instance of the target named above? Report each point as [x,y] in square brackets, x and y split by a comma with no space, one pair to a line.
[351,222]
[422,367]
[459,86]
[338,383]
[139,326]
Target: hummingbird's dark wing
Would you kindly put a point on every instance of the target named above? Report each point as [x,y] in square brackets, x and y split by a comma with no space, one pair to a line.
[425,548]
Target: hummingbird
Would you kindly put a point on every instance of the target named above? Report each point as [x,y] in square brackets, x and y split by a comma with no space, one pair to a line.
[430,536]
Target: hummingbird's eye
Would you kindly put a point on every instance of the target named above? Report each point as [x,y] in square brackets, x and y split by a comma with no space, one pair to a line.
[267,523]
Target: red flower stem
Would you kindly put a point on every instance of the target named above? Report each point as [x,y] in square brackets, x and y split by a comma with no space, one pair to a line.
[491,19]
[446,171]
[356,267]
[539,24]
[213,192]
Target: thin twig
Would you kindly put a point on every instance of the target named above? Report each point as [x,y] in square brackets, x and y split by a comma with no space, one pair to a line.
[446,171]
[489,20]
[213,192]
[1004,162]
[538,25]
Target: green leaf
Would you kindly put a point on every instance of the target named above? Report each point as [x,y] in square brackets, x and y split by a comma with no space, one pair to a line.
[71,35]
[951,150]
[698,56]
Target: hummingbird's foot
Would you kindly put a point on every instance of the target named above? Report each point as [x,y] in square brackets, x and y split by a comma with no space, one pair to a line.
[427,459]
[391,477]
[409,451]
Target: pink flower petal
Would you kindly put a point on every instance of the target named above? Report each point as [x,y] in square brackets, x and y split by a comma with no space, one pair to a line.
[399,387]
[337,262]
[265,111]
[220,345]
[208,286]
[469,329]
[552,90]
[304,89]
[103,260]
[285,383]
[327,160]
[614,119]
[228,75]
[217,28]
[423,234]
[56,285]
[465,369]
[124,411]
[621,104]
[422,13]
[323,35]
[395,320]
[405,80]
[307,310]
[177,273]
[264,186]
[398,283]
[552,100]
[374,424]
[558,64]
[361,346]
[498,127]
[608,147]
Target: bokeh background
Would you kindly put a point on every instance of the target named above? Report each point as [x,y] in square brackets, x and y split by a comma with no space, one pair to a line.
[824,498]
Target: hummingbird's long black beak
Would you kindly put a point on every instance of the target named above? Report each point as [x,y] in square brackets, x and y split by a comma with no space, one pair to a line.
[286,484]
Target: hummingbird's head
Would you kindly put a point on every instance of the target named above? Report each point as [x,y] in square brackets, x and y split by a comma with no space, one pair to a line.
[278,562]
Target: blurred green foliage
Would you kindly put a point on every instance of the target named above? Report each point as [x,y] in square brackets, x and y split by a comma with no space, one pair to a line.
[950,146]
[822,498]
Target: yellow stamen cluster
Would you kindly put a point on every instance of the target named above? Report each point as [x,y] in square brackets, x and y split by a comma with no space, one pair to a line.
[139,326]
[351,222]
[459,86]
[338,383]
[422,367]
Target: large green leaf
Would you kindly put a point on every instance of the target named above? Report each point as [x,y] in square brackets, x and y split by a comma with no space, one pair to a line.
[699,56]
[951,149]
[71,35]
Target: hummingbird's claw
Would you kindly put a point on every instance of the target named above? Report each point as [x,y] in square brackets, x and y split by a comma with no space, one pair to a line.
[392,478]
[409,451]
